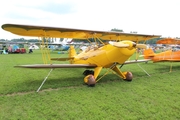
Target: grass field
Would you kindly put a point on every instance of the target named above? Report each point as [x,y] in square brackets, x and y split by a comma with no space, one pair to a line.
[64,96]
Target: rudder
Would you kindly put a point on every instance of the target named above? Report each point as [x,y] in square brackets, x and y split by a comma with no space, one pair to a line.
[148,53]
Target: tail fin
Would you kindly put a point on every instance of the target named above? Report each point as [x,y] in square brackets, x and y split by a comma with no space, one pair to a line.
[72,53]
[148,53]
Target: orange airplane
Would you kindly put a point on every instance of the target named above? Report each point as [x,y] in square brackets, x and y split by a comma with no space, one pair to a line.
[168,55]
[120,47]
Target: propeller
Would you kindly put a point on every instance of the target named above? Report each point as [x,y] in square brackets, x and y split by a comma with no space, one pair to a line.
[119,44]
[142,46]
[126,45]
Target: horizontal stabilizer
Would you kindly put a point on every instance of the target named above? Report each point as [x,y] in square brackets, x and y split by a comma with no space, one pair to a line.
[62,59]
[57,66]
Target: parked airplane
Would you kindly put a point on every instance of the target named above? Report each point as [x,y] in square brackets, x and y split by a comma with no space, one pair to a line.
[60,45]
[171,55]
[107,55]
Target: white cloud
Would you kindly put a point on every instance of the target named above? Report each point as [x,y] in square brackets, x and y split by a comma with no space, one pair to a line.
[143,16]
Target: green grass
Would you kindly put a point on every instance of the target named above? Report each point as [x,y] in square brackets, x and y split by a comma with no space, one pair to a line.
[64,96]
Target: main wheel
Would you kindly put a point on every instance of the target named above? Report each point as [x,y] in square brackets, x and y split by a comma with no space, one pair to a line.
[90,80]
[129,76]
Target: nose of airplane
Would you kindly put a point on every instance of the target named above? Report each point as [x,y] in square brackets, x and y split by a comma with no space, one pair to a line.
[142,46]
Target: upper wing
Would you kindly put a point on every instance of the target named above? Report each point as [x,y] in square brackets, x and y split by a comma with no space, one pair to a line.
[42,31]
[168,41]
[57,66]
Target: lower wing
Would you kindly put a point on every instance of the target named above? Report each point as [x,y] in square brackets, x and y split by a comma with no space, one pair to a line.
[57,66]
[136,61]
[167,60]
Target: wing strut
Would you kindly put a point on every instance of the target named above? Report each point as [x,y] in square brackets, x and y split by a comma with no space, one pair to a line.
[139,67]
[143,70]
[44,80]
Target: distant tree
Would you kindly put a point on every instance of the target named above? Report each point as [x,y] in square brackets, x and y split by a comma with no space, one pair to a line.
[61,39]
[2,40]
[134,32]
[153,40]
[117,30]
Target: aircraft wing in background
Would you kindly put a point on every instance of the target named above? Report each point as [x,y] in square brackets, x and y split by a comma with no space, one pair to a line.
[168,41]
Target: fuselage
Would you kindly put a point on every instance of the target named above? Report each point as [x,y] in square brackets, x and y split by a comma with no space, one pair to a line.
[104,56]
[168,55]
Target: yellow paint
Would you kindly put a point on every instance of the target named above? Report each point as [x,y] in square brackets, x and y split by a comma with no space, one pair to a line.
[105,57]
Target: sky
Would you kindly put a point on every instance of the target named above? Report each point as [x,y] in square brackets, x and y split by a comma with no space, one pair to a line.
[154,17]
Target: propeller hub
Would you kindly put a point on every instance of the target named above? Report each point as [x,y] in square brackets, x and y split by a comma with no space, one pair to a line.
[134,44]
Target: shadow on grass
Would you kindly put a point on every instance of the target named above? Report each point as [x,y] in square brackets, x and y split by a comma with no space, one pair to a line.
[57,82]
[30,80]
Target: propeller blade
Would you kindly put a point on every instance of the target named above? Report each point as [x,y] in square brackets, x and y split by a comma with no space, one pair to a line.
[143,46]
[124,45]
[119,44]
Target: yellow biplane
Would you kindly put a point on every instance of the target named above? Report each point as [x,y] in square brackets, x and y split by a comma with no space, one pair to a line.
[117,49]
